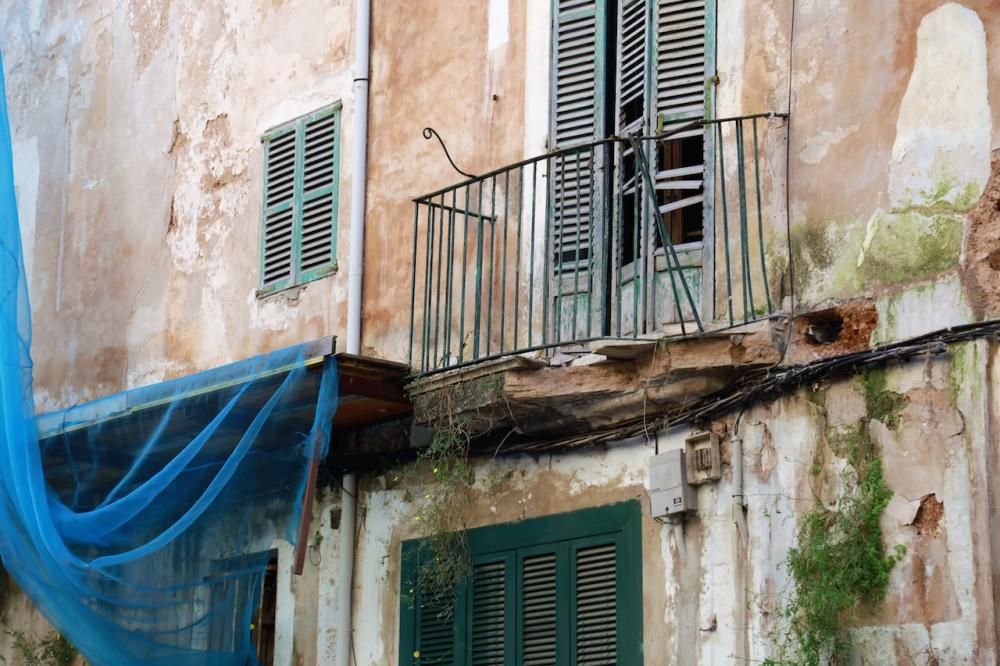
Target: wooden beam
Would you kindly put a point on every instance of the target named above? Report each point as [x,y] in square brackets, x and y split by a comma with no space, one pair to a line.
[305,522]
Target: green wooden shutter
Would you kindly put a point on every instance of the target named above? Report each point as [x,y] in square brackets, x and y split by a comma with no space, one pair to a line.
[301,193]
[578,93]
[681,59]
[596,607]
[681,94]
[319,194]
[554,591]
[578,73]
[488,635]
[634,43]
[539,611]
[279,208]
[435,642]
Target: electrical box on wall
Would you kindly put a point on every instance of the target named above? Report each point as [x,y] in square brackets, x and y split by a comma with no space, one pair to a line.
[704,460]
[671,496]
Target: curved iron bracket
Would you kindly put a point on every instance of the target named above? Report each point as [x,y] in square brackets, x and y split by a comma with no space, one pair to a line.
[431,132]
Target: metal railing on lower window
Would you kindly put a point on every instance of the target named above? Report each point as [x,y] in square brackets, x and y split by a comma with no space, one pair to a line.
[622,237]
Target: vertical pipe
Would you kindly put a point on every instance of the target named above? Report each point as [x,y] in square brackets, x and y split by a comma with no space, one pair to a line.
[344,579]
[359,174]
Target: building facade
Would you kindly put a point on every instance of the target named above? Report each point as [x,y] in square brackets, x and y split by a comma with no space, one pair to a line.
[762,232]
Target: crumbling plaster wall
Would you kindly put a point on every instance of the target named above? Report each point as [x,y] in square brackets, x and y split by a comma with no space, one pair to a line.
[714,596]
[460,68]
[136,129]
[894,116]
[895,113]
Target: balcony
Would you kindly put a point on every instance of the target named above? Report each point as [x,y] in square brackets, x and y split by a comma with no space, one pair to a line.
[634,238]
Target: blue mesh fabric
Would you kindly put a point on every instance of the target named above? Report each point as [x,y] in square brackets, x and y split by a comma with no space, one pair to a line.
[141,525]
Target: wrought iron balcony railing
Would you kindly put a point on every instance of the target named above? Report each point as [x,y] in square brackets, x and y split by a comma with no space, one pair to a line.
[621,238]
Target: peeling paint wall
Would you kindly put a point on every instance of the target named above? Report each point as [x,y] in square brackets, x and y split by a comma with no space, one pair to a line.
[136,133]
[137,129]
[714,597]
[137,126]
[895,114]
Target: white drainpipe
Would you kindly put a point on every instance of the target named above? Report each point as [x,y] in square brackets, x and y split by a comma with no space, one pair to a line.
[359,173]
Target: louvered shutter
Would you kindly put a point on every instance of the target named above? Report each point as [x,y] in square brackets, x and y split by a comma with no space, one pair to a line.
[681,50]
[489,614]
[596,592]
[680,95]
[577,118]
[680,67]
[301,192]
[633,70]
[538,611]
[318,193]
[547,591]
[279,209]
[435,641]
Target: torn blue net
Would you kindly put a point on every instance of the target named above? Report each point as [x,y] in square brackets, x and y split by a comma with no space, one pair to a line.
[141,525]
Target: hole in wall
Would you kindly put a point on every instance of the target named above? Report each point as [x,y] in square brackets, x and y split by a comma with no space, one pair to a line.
[823,328]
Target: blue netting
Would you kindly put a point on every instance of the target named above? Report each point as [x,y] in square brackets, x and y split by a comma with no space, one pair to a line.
[141,525]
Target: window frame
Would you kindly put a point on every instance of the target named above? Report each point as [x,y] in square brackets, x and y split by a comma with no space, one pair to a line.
[299,200]
[621,522]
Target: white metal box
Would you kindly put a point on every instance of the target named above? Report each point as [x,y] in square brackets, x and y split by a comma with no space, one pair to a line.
[670,494]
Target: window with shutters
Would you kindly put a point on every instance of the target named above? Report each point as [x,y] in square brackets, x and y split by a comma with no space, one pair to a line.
[624,68]
[551,591]
[301,194]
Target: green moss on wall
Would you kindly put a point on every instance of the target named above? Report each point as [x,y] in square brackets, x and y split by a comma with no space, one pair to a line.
[911,246]
[881,404]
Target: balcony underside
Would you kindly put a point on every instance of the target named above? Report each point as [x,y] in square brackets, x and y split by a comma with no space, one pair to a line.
[606,389]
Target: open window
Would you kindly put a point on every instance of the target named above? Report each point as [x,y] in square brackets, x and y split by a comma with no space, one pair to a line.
[634,68]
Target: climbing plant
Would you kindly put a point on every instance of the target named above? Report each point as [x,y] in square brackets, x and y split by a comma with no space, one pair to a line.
[52,650]
[444,557]
[839,564]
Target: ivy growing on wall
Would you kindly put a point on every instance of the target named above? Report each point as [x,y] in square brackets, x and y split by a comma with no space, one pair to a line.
[839,565]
